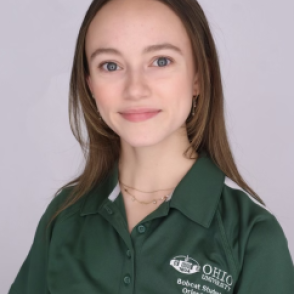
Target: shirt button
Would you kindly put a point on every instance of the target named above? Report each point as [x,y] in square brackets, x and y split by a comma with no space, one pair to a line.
[127,279]
[109,210]
[128,252]
[141,229]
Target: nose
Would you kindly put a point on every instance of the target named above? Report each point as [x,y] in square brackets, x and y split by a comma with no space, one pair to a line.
[137,86]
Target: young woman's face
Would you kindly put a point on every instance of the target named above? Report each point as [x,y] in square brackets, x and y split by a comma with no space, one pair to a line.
[131,70]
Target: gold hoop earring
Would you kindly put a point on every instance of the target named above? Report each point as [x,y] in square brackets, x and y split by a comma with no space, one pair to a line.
[100,118]
[194,104]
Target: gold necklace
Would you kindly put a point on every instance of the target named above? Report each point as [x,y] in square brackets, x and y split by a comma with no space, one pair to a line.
[154,201]
[143,191]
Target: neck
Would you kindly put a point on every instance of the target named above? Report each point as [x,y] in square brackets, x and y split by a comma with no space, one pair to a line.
[155,167]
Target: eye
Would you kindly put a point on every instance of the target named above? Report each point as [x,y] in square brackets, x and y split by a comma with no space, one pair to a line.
[111,67]
[162,62]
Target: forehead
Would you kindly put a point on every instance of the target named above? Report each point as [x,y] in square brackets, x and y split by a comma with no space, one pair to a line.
[131,25]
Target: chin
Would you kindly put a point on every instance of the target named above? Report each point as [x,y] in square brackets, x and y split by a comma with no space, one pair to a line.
[141,141]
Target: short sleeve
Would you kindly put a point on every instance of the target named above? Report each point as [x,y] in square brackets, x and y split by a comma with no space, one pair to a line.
[267,265]
[31,278]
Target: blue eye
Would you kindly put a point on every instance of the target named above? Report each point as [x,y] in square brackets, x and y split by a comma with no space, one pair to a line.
[161,61]
[112,65]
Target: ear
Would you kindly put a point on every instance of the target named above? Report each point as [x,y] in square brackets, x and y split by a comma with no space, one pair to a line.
[89,83]
[196,89]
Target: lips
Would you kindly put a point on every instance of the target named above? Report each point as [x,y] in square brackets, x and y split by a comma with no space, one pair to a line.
[139,114]
[140,110]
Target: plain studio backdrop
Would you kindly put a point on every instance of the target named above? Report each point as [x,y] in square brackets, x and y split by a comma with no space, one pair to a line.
[39,153]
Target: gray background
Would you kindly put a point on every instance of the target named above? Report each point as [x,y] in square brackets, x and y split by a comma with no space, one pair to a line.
[39,153]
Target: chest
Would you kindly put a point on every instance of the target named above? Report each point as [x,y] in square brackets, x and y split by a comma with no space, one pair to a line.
[166,253]
[135,212]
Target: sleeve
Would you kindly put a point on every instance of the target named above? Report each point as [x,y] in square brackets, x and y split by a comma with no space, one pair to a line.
[267,264]
[31,278]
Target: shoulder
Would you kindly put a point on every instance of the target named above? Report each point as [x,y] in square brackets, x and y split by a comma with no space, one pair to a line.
[238,204]
[58,199]
[62,197]
[256,241]
[248,224]
[238,207]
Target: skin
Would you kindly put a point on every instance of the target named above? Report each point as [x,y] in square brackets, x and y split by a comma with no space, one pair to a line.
[163,79]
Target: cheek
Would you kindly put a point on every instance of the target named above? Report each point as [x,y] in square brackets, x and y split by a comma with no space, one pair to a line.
[180,98]
[104,96]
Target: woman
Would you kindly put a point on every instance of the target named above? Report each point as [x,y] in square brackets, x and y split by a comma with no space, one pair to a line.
[160,206]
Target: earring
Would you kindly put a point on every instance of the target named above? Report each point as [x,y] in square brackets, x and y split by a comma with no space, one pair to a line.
[194,104]
[100,118]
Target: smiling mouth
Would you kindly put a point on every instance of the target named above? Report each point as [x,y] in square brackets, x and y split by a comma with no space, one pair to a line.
[139,116]
[141,110]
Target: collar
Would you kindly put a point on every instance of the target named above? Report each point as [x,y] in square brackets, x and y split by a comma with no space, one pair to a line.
[197,195]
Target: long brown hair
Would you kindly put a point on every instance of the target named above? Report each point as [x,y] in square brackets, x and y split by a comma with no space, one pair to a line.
[206,129]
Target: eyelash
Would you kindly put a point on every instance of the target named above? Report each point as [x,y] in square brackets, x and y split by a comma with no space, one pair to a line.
[101,65]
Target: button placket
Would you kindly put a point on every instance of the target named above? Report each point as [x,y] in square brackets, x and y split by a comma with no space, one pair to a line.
[128,273]
[112,214]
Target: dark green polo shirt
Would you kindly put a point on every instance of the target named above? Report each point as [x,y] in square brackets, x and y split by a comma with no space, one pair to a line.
[210,237]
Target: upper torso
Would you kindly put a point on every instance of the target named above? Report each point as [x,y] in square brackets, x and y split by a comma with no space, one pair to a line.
[210,237]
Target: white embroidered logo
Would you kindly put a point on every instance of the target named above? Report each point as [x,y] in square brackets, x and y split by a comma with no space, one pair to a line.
[185,264]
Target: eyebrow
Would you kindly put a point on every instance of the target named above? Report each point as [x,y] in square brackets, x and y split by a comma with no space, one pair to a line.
[148,49]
